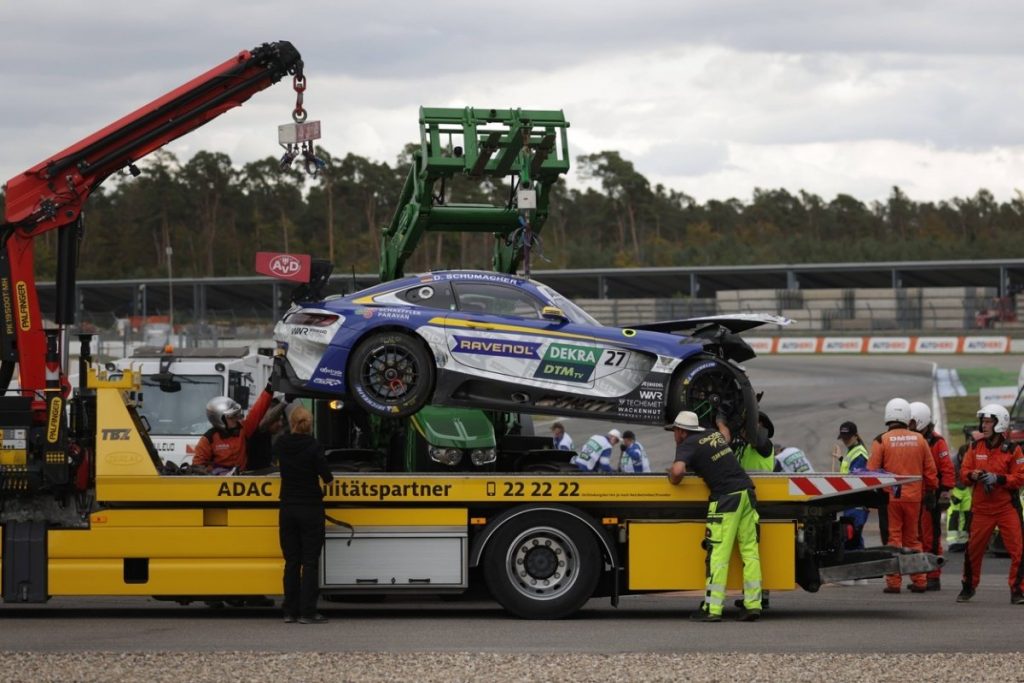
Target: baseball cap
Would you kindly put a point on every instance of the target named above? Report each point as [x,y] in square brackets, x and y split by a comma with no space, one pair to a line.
[847,429]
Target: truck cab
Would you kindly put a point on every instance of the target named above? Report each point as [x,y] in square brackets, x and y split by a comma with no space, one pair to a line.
[177,383]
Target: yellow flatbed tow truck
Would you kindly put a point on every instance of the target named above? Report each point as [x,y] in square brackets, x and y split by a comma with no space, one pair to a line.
[543,544]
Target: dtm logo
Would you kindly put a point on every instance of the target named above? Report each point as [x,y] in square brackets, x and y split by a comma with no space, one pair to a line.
[285,265]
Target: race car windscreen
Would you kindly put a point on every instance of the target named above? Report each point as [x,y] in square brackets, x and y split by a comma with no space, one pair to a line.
[179,412]
[574,313]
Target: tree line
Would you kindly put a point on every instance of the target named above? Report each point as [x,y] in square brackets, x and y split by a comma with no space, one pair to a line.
[216,216]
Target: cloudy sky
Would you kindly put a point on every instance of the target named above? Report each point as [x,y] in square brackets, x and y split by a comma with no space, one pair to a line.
[711,98]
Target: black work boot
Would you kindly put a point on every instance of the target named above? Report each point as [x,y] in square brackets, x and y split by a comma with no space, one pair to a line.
[701,615]
[965,594]
[1017,597]
[934,585]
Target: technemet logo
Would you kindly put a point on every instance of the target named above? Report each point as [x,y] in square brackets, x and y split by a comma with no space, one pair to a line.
[492,347]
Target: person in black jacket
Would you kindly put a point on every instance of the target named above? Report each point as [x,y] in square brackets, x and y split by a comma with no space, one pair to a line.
[301,522]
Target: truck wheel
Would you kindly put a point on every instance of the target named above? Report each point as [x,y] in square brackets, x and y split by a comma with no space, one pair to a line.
[708,386]
[391,374]
[542,566]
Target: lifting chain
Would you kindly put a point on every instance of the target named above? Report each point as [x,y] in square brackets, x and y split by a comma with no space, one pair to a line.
[299,114]
[311,161]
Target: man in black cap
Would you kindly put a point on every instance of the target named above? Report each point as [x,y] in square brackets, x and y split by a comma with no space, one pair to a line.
[852,460]
[732,513]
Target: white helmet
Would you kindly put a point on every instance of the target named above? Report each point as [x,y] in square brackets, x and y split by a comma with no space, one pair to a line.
[921,414]
[615,433]
[897,410]
[222,407]
[997,413]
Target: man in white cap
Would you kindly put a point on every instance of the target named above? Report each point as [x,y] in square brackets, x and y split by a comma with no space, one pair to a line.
[732,513]
[596,454]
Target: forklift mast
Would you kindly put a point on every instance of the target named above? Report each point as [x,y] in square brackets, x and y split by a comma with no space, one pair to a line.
[529,147]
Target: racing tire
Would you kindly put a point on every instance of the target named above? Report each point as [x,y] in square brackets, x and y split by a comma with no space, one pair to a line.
[706,385]
[391,374]
[542,565]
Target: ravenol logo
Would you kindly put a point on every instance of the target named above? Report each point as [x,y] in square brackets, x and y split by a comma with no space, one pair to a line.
[491,347]
[568,363]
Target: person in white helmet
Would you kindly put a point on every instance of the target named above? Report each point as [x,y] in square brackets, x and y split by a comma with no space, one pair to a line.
[931,519]
[596,454]
[902,451]
[995,467]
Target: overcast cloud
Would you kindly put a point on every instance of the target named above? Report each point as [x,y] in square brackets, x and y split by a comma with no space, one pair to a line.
[710,98]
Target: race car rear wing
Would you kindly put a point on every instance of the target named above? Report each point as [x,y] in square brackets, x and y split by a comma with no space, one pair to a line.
[734,322]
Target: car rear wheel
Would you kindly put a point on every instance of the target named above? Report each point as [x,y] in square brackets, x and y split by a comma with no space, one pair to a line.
[709,387]
[391,374]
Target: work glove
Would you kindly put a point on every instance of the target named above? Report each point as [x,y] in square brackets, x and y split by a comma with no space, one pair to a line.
[929,500]
[944,498]
[989,480]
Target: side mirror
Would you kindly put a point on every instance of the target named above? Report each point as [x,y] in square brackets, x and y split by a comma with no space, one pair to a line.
[553,313]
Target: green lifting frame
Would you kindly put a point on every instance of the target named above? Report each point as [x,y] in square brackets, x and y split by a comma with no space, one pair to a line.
[530,146]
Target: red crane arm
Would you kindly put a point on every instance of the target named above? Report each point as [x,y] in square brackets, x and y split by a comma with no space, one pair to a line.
[51,194]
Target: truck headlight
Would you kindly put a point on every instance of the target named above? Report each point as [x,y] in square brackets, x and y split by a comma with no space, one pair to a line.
[483,456]
[446,456]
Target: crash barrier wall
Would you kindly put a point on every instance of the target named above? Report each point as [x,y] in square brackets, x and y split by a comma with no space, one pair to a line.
[879,309]
[979,344]
[909,309]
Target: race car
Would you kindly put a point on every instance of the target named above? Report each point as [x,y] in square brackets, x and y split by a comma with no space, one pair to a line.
[487,340]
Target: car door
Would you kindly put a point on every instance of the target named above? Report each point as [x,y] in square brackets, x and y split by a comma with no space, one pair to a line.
[499,331]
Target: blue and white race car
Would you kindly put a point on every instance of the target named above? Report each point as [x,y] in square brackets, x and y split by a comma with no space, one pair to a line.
[486,340]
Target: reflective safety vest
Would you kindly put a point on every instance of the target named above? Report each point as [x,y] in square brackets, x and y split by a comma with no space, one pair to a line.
[752,461]
[855,459]
[595,455]
[563,444]
[793,460]
[634,459]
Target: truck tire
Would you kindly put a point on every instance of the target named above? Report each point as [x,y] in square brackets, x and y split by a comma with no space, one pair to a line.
[707,385]
[391,374]
[542,565]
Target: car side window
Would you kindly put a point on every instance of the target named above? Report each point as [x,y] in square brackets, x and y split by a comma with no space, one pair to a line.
[483,297]
[430,295]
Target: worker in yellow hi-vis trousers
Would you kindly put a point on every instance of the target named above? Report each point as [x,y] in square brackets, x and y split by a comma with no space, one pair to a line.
[732,514]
